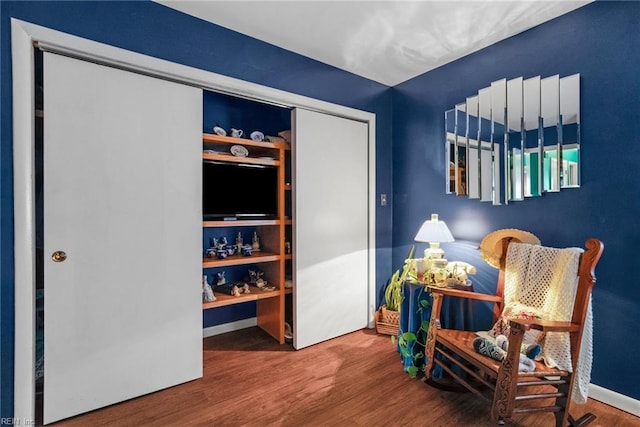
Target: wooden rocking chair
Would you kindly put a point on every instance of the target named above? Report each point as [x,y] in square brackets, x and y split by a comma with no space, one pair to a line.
[498,382]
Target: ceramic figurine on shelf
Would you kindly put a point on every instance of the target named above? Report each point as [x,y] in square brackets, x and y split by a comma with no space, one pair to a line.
[223,242]
[255,278]
[247,250]
[220,280]
[255,243]
[239,243]
[237,289]
[207,292]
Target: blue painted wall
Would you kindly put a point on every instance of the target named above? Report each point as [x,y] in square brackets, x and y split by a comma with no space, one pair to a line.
[155,30]
[600,41]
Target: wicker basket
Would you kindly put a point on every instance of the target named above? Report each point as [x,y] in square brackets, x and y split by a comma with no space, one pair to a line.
[387,321]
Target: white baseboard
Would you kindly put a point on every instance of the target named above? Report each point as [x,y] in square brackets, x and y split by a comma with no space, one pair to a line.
[229,327]
[617,400]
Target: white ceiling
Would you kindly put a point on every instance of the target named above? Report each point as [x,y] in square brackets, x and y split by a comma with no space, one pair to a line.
[386,41]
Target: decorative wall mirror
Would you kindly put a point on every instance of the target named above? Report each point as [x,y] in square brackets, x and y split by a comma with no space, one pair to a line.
[515,139]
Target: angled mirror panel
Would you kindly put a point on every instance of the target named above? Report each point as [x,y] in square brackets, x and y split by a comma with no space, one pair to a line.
[515,119]
[551,169]
[461,150]
[473,149]
[551,132]
[570,119]
[532,141]
[484,136]
[570,166]
[499,138]
[450,150]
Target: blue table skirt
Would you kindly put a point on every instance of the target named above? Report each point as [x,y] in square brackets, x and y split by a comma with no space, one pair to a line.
[415,313]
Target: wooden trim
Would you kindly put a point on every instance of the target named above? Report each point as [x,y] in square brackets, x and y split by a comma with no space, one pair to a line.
[432,333]
[219,139]
[241,223]
[256,258]
[247,160]
[224,299]
[22,64]
[464,294]
[547,325]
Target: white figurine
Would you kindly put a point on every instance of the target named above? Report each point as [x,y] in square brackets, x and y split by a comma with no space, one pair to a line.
[207,292]
[458,273]
[220,280]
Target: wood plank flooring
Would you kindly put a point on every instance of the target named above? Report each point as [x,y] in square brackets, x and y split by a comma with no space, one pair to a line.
[353,380]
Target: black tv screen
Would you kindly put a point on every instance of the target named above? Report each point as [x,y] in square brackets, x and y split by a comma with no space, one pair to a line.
[239,191]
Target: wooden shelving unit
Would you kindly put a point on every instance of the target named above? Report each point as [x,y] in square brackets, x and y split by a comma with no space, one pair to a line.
[271,259]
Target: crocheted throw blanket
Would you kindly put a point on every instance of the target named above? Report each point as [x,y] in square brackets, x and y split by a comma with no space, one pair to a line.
[547,279]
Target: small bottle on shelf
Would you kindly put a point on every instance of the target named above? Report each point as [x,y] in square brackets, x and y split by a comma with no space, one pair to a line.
[256,242]
[239,243]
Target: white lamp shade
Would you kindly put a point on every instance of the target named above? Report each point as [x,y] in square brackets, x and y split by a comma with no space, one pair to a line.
[434,230]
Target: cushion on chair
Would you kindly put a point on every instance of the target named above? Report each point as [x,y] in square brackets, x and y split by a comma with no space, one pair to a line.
[515,310]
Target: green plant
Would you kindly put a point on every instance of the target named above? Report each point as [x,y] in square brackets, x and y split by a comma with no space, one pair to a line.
[413,344]
[393,294]
[410,344]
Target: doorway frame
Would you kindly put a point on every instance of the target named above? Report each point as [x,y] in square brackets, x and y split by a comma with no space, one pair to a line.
[24,36]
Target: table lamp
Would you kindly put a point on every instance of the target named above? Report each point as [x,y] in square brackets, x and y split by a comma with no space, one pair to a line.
[434,232]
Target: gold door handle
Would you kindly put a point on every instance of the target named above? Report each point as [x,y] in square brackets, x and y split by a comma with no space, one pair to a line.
[59,256]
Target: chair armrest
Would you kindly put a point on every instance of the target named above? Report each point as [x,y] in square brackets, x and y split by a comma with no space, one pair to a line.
[464,294]
[547,325]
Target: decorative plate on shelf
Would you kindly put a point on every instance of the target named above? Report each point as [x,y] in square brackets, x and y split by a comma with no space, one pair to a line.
[239,151]
[256,135]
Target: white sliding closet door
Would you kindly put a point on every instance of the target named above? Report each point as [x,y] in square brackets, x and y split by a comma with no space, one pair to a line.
[122,199]
[330,166]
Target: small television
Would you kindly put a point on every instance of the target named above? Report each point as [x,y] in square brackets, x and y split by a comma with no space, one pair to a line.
[236,191]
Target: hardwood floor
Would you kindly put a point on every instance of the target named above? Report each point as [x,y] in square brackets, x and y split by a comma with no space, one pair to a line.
[353,380]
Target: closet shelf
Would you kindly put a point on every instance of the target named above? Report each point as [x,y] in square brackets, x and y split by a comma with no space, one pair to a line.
[224,299]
